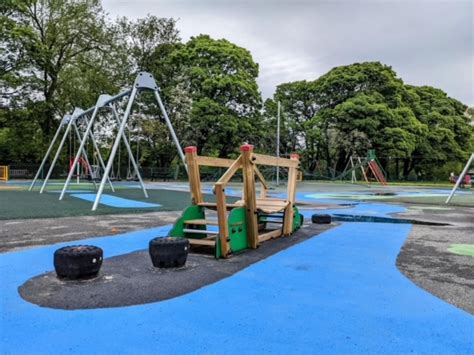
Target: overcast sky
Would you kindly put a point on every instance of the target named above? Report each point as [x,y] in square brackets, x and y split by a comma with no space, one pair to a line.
[426,42]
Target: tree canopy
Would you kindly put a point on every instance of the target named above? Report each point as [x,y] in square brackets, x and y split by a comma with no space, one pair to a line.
[59,54]
[366,106]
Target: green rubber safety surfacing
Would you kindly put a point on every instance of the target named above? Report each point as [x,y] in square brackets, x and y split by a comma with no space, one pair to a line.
[462,249]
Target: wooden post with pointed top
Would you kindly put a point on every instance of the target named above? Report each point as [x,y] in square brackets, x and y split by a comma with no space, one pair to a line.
[250,197]
[291,192]
[193,173]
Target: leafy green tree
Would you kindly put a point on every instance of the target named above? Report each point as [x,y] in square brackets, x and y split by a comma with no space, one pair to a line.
[60,54]
[298,106]
[147,44]
[448,136]
[51,35]
[145,38]
[365,106]
[221,80]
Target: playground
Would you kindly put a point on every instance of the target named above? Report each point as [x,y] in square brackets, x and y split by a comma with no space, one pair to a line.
[336,217]
[409,285]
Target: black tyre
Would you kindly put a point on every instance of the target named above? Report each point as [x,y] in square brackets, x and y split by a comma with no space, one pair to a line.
[321,218]
[78,261]
[168,252]
[385,193]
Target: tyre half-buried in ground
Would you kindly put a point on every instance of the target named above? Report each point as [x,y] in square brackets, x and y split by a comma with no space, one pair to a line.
[168,252]
[78,262]
[321,218]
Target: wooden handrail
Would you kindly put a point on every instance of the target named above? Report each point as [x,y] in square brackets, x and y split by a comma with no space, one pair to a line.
[274,161]
[212,161]
[225,178]
[264,183]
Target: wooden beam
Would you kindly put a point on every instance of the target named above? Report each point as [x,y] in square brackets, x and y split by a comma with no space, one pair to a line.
[249,194]
[222,219]
[213,204]
[271,209]
[269,235]
[292,181]
[193,173]
[216,162]
[271,199]
[211,243]
[236,165]
[260,159]
[263,192]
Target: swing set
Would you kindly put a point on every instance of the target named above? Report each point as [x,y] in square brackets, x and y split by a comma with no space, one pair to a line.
[143,82]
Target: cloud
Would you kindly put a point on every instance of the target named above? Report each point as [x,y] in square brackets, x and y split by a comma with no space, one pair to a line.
[426,42]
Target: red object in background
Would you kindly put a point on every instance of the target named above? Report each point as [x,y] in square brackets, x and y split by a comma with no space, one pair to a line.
[81,162]
[467,179]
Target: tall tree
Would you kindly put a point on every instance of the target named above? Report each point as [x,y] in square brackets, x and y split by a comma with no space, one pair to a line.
[51,35]
[147,44]
[365,105]
[221,79]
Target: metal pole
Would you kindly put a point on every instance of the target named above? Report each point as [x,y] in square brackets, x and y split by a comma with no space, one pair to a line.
[46,155]
[278,145]
[114,147]
[56,156]
[460,178]
[99,156]
[78,154]
[130,153]
[171,129]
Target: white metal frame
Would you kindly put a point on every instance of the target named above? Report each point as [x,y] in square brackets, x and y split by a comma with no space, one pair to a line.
[460,178]
[68,122]
[143,82]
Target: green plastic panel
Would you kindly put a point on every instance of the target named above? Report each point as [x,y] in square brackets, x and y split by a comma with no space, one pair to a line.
[238,229]
[371,154]
[191,212]
[297,219]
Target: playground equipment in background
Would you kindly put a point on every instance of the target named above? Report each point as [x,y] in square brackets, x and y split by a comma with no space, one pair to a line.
[243,224]
[368,167]
[67,124]
[461,178]
[82,169]
[143,82]
[4,172]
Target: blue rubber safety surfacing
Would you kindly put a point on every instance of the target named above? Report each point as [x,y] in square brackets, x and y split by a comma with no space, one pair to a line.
[339,292]
[114,201]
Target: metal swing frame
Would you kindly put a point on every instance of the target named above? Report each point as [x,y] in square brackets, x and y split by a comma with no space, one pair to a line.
[143,82]
[68,123]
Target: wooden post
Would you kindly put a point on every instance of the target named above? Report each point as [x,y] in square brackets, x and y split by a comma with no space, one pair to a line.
[292,180]
[193,173]
[250,197]
[222,219]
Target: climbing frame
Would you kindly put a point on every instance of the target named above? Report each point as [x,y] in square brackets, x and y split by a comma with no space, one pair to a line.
[243,224]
